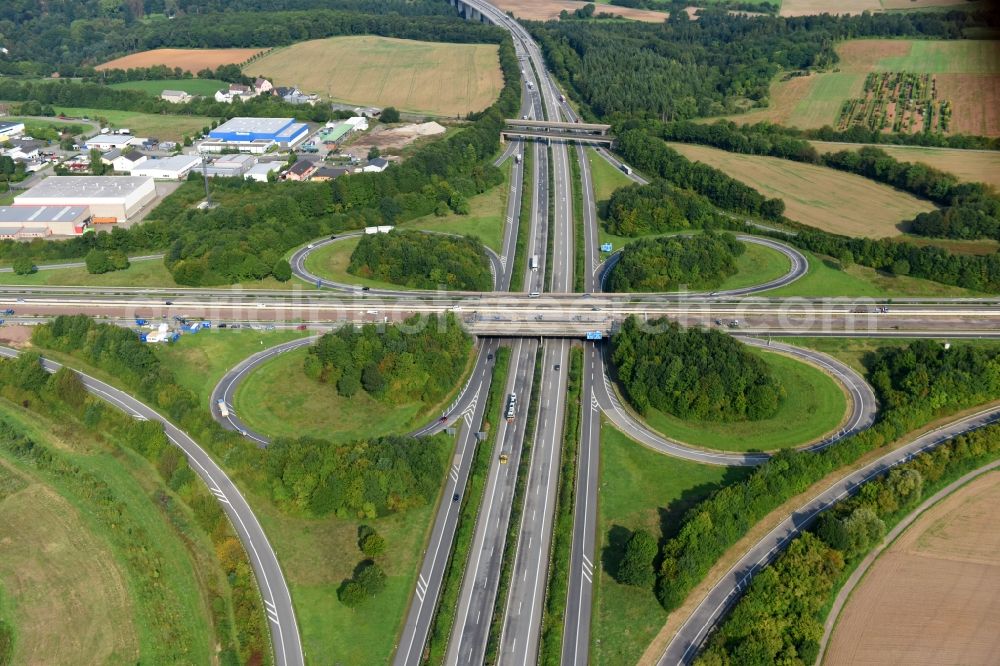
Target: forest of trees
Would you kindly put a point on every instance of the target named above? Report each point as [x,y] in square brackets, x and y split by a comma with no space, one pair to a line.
[668,263]
[422,359]
[914,384]
[692,373]
[423,261]
[764,628]
[71,36]
[639,210]
[683,68]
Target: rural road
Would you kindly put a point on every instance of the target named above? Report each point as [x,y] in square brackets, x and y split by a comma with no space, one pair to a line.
[684,646]
[270,579]
[80,264]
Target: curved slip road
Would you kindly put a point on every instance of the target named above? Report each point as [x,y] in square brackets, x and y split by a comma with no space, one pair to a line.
[226,389]
[298,263]
[863,406]
[270,579]
[684,646]
[799,267]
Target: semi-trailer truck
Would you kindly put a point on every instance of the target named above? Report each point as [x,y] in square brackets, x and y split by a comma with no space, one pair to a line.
[223,410]
[511,407]
[533,262]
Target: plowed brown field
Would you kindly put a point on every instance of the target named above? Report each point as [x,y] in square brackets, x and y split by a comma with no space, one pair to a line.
[191,60]
[931,598]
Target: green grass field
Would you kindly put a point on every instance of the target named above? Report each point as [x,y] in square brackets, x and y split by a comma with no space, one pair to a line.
[605,179]
[146,273]
[486,219]
[814,405]
[161,126]
[639,488]
[199,361]
[825,278]
[279,400]
[204,87]
[66,556]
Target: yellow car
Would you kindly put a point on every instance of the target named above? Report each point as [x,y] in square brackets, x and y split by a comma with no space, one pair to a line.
[503,458]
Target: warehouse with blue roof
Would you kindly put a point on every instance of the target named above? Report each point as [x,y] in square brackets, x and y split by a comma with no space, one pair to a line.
[285,132]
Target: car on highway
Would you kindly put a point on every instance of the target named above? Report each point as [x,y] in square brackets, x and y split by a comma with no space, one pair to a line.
[366,288]
[301,327]
[310,246]
[443,419]
[503,458]
[454,498]
[223,325]
[558,367]
[168,302]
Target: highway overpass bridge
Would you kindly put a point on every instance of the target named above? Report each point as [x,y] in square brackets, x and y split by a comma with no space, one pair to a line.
[594,133]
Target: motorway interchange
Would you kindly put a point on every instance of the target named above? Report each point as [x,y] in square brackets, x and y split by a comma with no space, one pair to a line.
[547,324]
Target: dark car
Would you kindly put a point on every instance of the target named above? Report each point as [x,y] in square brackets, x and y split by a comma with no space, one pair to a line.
[168,303]
[301,327]
[366,288]
[489,357]
[443,419]
[333,237]
[558,366]
[223,325]
[454,497]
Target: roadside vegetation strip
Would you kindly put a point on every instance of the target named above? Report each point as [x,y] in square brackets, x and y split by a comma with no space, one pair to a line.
[557,586]
[161,541]
[550,219]
[514,524]
[579,233]
[451,584]
[523,218]
[837,542]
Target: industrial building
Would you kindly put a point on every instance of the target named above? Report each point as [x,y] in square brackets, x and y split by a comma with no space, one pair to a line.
[8,129]
[237,131]
[259,172]
[230,166]
[18,222]
[110,198]
[105,142]
[167,168]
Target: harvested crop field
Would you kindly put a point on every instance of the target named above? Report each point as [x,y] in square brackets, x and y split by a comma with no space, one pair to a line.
[191,60]
[544,10]
[982,166]
[931,597]
[809,7]
[818,196]
[966,72]
[419,77]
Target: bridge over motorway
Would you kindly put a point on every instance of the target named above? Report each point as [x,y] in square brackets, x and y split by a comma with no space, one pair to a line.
[528,128]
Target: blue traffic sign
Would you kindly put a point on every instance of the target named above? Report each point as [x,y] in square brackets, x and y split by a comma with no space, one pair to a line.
[606,247]
[594,335]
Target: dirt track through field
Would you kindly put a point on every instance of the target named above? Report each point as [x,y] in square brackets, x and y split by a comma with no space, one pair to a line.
[191,60]
[931,598]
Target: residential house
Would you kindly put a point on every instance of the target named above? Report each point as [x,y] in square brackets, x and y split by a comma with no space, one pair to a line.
[262,86]
[235,91]
[301,170]
[377,165]
[23,149]
[331,173]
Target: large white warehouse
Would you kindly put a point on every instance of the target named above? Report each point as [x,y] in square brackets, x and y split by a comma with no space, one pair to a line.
[110,198]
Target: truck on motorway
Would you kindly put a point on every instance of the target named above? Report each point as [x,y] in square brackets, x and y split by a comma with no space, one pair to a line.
[533,262]
[223,410]
[517,159]
[511,407]
[626,168]
[381,229]
[562,98]
[531,86]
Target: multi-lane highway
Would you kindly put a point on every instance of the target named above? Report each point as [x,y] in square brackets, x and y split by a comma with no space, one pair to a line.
[685,644]
[271,581]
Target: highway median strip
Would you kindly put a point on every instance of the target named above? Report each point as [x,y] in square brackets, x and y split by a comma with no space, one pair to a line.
[451,586]
[550,647]
[579,252]
[523,219]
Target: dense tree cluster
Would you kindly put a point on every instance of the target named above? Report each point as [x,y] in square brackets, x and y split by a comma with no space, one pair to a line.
[759,139]
[780,620]
[100,261]
[684,68]
[424,261]
[669,263]
[653,156]
[969,376]
[367,478]
[422,359]
[636,565]
[72,35]
[638,210]
[692,373]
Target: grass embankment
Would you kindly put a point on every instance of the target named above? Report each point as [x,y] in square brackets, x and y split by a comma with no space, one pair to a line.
[420,77]
[514,523]
[639,489]
[579,233]
[145,273]
[199,361]
[853,350]
[814,405]
[523,222]
[203,87]
[486,219]
[331,261]
[278,399]
[826,277]
[451,584]
[550,643]
[757,265]
[818,196]
[161,126]
[99,567]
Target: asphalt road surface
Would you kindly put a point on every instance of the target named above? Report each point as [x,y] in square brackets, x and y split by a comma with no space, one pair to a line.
[270,579]
[683,648]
